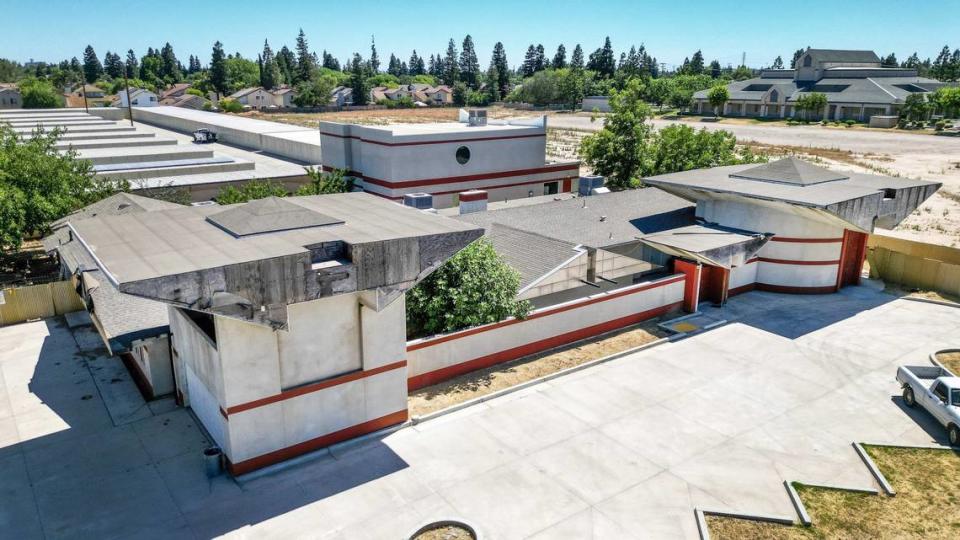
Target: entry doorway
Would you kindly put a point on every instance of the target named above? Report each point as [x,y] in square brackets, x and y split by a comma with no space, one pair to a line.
[551,188]
[714,282]
[851,258]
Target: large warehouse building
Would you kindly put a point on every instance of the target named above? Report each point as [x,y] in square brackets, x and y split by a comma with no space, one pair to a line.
[505,158]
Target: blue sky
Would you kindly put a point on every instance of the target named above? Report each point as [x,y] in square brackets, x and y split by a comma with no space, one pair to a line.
[51,30]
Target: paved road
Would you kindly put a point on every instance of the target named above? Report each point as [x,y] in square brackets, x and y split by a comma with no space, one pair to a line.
[856,140]
[622,450]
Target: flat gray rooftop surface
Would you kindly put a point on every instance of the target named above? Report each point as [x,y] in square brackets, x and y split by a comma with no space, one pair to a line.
[243,123]
[698,238]
[626,449]
[148,245]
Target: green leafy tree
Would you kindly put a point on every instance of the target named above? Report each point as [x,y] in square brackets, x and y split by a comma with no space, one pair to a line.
[777,63]
[39,94]
[718,96]
[323,183]
[40,184]
[543,88]
[947,100]
[658,90]
[915,107]
[218,69]
[460,91]
[813,102]
[681,148]
[92,68]
[241,73]
[252,190]
[230,105]
[617,151]
[474,287]
[316,91]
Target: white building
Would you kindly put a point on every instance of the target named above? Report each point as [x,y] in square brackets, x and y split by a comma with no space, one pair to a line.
[254,97]
[139,97]
[506,158]
[286,315]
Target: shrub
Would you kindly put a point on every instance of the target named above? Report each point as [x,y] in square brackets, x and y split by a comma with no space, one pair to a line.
[849,122]
[38,94]
[230,105]
[940,125]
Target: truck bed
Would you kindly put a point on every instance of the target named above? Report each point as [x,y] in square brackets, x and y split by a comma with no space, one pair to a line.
[927,372]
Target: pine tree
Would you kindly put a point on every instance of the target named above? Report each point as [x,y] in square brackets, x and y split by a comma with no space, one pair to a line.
[576,61]
[287,62]
[270,76]
[195,66]
[305,64]
[559,58]
[777,63]
[451,67]
[540,61]
[529,66]
[171,67]
[469,64]
[113,65]
[393,66]
[715,69]
[941,68]
[696,63]
[498,62]
[92,68]
[374,57]
[796,57]
[416,64]
[218,69]
[492,90]
[330,62]
[358,80]
[132,65]
[602,60]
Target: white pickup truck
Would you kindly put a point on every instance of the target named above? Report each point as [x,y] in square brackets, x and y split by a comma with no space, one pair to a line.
[937,391]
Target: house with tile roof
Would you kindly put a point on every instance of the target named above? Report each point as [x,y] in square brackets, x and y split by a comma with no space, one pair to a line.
[855,83]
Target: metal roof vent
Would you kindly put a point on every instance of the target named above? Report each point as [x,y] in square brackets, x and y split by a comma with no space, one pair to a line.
[420,201]
[477,117]
[271,214]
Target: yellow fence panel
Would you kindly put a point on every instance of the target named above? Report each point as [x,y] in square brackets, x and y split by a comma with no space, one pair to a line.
[915,264]
[19,304]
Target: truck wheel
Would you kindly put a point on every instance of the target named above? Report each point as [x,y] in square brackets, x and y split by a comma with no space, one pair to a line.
[908,399]
[953,434]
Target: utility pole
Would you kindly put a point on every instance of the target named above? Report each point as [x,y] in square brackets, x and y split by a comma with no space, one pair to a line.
[743,59]
[126,87]
[83,92]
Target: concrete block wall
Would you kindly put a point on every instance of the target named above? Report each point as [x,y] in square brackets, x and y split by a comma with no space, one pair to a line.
[152,360]
[434,359]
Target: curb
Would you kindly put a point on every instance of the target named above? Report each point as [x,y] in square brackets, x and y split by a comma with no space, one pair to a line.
[869,491]
[701,516]
[480,399]
[930,301]
[798,504]
[913,446]
[934,361]
[882,480]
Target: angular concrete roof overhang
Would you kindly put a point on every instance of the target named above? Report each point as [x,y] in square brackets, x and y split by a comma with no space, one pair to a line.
[857,201]
[709,244]
[181,258]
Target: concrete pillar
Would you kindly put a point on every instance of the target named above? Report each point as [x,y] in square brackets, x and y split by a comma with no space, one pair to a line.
[839,113]
[743,109]
[862,107]
[474,200]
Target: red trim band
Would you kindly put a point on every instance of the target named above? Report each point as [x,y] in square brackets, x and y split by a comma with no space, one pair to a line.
[314,387]
[741,289]
[447,141]
[322,441]
[807,240]
[799,263]
[567,307]
[449,372]
[470,197]
[469,177]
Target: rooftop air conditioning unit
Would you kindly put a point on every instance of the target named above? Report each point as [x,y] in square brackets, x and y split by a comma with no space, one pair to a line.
[477,117]
[588,184]
[420,201]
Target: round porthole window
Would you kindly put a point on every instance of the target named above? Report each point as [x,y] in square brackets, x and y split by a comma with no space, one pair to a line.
[463,155]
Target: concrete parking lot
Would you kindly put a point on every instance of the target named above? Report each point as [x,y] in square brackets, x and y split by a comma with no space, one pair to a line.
[626,449]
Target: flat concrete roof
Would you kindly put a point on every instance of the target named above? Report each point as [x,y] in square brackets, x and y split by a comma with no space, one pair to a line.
[149,245]
[449,127]
[250,125]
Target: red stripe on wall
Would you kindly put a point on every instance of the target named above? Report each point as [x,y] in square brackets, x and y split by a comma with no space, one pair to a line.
[446,141]
[741,289]
[315,387]
[471,331]
[468,197]
[468,177]
[322,441]
[794,290]
[807,240]
[439,375]
[800,263]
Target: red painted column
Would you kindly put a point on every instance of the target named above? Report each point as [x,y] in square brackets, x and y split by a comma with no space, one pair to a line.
[691,285]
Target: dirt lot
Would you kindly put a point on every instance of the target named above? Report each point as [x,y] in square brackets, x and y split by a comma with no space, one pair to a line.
[926,506]
[382,116]
[486,381]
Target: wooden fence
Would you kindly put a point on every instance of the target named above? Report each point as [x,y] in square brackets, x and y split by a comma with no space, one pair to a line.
[19,304]
[915,264]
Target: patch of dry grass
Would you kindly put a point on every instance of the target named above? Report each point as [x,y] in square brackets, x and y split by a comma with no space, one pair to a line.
[492,379]
[927,504]
[449,532]
[951,361]
[382,116]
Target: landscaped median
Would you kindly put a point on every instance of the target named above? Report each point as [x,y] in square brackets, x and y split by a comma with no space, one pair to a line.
[926,505]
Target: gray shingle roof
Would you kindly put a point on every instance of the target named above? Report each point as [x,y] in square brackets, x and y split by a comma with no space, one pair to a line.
[841,55]
[596,221]
[532,255]
[116,205]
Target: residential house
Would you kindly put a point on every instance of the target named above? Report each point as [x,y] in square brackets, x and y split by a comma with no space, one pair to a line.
[175,91]
[283,96]
[855,83]
[188,101]
[10,96]
[341,96]
[255,97]
[139,97]
[439,95]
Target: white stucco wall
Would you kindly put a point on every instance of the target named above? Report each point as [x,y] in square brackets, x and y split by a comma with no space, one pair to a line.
[152,356]
[543,328]
[323,340]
